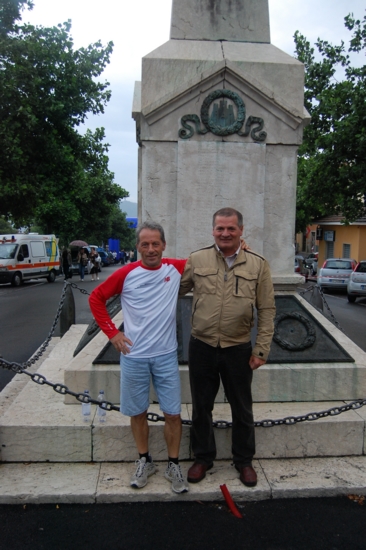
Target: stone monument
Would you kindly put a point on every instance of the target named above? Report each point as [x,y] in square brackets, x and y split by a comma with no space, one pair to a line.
[219,116]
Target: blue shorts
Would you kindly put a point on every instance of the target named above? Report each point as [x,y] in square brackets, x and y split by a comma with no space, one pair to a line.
[135,383]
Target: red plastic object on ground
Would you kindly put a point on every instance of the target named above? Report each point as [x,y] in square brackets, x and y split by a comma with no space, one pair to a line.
[230,502]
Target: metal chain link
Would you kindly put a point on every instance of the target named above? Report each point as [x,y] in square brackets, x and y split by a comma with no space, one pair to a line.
[153,417]
[81,290]
[57,387]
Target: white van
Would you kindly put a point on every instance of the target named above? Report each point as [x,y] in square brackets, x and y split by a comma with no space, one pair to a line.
[24,257]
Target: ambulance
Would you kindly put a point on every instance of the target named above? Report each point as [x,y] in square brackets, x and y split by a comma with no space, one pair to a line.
[32,256]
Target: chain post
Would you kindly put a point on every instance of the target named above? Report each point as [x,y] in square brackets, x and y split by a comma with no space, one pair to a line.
[319,290]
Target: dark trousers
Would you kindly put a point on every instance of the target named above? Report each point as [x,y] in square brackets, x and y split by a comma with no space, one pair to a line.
[206,365]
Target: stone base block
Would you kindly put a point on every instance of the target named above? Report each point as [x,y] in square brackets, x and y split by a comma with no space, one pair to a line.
[113,440]
[48,483]
[316,477]
[332,436]
[277,383]
[107,377]
[115,478]
[109,482]
[57,433]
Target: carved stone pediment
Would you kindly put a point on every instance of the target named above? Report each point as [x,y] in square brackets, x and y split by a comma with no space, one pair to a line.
[222,104]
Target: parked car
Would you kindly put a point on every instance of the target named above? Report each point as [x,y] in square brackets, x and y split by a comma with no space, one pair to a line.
[106,258]
[300,268]
[356,287]
[335,273]
[311,262]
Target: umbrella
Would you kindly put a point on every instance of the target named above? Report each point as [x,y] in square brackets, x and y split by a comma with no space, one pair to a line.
[78,243]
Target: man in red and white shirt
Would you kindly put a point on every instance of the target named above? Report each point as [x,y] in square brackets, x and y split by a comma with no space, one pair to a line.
[148,347]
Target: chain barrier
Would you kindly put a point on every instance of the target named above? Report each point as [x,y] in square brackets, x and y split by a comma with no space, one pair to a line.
[153,417]
[44,346]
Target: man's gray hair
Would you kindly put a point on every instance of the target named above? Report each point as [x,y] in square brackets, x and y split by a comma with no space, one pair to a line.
[153,226]
[226,213]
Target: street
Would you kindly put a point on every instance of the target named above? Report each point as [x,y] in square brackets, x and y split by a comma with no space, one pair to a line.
[27,314]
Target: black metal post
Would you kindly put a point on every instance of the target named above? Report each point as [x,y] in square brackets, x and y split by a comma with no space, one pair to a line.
[67,316]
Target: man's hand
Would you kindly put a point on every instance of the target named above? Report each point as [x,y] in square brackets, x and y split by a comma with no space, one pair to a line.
[121,343]
[255,362]
[243,244]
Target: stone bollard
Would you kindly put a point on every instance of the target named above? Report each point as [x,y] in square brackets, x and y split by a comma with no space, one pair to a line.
[67,316]
[316,299]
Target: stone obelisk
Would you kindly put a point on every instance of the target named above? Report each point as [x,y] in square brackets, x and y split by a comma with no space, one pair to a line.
[219,115]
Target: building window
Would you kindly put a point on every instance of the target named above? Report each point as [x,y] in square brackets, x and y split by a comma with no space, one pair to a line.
[329,249]
[346,251]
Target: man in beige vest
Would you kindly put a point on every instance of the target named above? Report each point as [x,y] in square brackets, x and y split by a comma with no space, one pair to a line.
[228,284]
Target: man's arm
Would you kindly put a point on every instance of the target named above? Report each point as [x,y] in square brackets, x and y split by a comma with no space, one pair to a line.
[266,310]
[97,301]
[186,282]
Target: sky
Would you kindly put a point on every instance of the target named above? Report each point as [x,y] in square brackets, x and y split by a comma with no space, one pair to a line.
[137,27]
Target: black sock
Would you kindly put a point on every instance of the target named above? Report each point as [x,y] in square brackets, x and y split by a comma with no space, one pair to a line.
[174,460]
[147,456]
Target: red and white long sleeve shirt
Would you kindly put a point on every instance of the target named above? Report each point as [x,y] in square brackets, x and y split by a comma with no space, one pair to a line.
[149,300]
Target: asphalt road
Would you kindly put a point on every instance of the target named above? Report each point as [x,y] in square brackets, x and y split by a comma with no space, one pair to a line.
[27,314]
[301,524]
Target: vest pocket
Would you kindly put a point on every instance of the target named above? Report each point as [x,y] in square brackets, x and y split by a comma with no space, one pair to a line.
[245,284]
[205,280]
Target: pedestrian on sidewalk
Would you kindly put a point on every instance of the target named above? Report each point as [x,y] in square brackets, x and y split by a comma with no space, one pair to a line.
[82,260]
[148,347]
[228,283]
[66,264]
[94,260]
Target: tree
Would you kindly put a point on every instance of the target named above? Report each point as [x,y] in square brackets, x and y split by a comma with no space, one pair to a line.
[332,158]
[50,173]
[6,227]
[120,229]
[10,12]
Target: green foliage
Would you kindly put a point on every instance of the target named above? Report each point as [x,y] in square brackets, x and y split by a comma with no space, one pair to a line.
[50,174]
[332,159]
[10,12]
[121,230]
[6,227]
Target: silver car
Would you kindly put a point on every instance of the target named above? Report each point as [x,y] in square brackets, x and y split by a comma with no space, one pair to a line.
[335,273]
[357,282]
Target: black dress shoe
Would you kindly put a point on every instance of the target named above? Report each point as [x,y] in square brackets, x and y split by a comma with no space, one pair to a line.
[198,471]
[247,475]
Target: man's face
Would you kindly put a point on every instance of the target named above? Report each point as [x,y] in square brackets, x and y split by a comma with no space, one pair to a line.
[227,234]
[151,247]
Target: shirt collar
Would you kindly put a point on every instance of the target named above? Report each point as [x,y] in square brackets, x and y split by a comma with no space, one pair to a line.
[228,259]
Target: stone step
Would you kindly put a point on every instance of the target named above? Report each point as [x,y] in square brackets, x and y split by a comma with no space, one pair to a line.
[57,433]
[109,482]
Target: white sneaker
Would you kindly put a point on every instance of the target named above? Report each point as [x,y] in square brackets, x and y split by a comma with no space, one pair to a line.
[143,471]
[174,474]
